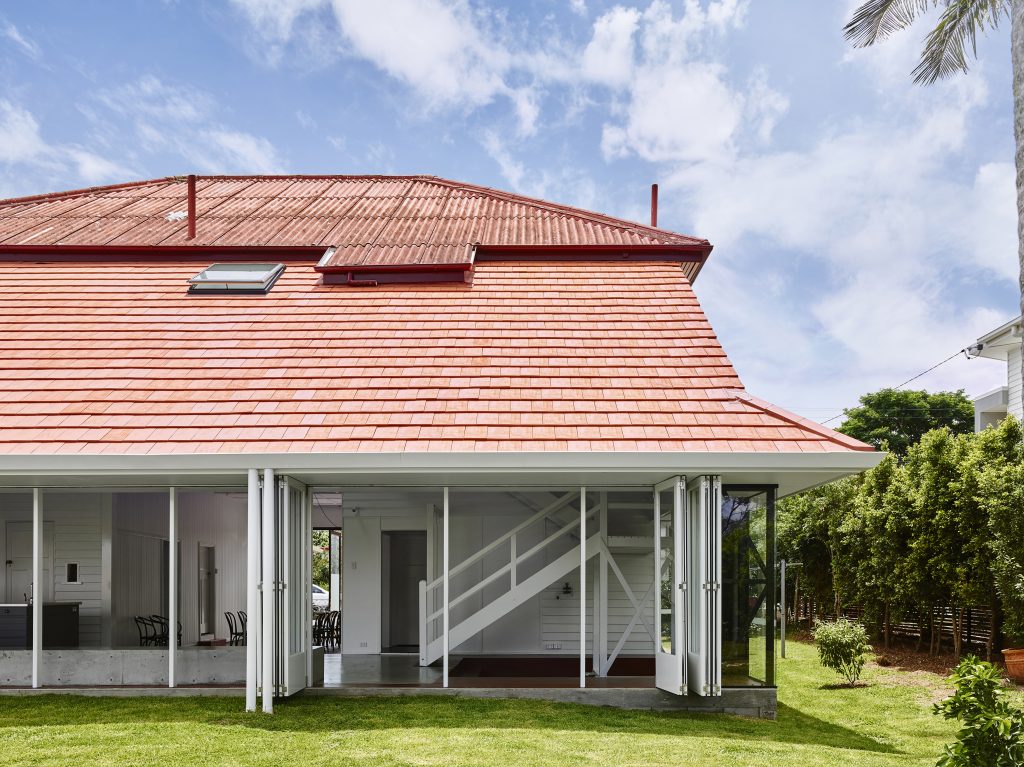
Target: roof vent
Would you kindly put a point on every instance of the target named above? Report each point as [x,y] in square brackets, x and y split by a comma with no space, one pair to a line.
[236,278]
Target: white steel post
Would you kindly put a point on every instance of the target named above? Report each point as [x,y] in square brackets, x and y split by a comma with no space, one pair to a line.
[172,587]
[38,592]
[444,588]
[583,586]
[252,594]
[601,597]
[269,587]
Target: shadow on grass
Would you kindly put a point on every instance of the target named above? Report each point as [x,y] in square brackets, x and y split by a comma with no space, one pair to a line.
[327,715]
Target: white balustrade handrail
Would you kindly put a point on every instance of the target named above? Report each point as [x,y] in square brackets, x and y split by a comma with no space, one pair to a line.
[575,523]
[547,511]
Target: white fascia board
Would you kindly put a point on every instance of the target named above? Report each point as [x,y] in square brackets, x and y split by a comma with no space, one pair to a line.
[996,343]
[448,464]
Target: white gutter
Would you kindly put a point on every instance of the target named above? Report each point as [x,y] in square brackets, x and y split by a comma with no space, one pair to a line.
[465,463]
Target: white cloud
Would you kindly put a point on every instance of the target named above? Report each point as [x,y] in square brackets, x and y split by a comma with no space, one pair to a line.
[275,19]
[608,57]
[20,140]
[27,46]
[241,151]
[29,160]
[579,7]
[437,48]
[184,121]
[681,105]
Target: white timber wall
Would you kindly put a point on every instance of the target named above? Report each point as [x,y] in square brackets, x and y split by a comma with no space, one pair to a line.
[1013,383]
[78,522]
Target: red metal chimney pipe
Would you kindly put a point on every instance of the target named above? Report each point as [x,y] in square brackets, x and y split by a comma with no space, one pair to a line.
[191,206]
[654,204]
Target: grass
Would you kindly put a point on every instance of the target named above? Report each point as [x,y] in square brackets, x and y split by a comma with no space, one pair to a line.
[887,721]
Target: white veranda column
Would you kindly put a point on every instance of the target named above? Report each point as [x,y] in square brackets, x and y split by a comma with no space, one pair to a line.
[269,585]
[38,592]
[444,589]
[172,587]
[252,594]
[583,587]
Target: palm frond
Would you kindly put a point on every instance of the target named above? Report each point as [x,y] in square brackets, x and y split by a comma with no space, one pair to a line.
[875,20]
[946,47]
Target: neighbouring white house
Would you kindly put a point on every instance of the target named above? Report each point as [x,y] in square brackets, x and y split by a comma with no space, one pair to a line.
[544,473]
[1003,344]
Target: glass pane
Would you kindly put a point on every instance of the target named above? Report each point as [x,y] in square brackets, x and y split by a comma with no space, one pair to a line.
[666,533]
[748,589]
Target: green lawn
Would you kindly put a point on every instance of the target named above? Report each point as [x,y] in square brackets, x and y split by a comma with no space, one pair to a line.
[887,722]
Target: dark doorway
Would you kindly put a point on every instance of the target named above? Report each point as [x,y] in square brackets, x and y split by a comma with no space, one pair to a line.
[403,566]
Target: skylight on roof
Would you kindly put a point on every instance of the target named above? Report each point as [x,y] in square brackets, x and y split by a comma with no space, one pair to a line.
[236,278]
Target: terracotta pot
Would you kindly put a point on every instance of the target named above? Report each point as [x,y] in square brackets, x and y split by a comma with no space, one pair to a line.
[1014,664]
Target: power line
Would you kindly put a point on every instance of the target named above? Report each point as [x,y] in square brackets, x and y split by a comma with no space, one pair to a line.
[914,378]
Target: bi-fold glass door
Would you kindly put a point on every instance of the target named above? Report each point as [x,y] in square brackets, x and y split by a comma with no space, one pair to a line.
[687,571]
[670,549]
[294,594]
[704,647]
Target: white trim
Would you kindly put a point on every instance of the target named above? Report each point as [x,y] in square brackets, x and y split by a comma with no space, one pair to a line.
[38,593]
[172,587]
[252,594]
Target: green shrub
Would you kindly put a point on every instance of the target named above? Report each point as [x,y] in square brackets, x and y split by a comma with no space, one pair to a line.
[842,647]
[991,730]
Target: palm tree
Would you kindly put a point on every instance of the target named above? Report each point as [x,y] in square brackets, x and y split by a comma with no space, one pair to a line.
[946,54]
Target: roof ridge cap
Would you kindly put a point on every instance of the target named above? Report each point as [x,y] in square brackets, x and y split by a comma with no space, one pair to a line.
[68,193]
[568,209]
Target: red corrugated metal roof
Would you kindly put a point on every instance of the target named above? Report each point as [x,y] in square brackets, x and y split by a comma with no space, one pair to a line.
[588,355]
[371,221]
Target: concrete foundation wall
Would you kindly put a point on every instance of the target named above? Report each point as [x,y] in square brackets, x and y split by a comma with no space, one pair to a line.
[196,665]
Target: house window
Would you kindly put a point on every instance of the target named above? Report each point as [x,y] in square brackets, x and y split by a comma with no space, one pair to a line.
[748,586]
[71,572]
[236,278]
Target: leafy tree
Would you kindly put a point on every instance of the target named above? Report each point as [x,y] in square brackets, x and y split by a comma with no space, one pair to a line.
[991,517]
[945,54]
[898,418]
[322,559]
[1000,479]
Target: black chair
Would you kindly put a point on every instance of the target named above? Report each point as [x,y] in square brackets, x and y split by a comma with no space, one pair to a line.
[147,631]
[243,622]
[334,629]
[320,623]
[162,633]
[235,634]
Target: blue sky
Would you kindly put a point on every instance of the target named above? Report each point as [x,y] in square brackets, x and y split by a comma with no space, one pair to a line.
[864,227]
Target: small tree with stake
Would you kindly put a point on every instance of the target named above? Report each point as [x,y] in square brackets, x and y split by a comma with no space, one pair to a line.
[843,647]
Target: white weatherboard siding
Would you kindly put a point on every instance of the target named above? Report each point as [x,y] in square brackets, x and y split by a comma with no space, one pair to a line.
[77,519]
[1013,383]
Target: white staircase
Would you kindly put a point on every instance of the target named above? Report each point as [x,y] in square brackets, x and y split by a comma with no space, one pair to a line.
[562,562]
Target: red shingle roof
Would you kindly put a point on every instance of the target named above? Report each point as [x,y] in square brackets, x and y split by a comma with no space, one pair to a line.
[116,357]
[371,221]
